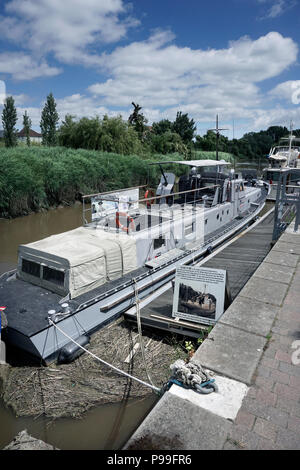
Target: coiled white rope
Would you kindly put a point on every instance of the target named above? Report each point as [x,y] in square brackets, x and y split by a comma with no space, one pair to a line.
[102,361]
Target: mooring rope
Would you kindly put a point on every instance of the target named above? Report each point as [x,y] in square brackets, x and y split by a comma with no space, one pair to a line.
[138,317]
[156,389]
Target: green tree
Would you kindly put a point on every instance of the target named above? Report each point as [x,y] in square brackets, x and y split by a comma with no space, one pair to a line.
[138,120]
[67,131]
[168,142]
[49,122]
[162,126]
[27,125]
[9,120]
[184,126]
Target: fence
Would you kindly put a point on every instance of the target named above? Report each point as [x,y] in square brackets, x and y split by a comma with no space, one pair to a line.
[287,203]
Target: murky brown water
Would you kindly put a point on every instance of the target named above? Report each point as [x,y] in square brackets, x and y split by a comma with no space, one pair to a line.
[107,427]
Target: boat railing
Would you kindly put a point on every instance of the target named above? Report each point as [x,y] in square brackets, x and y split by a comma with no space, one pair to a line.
[181,198]
[86,208]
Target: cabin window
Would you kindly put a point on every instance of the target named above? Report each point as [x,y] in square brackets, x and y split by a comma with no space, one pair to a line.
[30,267]
[218,216]
[205,221]
[53,275]
[227,211]
[158,242]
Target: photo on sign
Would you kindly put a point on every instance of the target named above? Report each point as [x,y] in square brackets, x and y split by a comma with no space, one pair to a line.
[195,302]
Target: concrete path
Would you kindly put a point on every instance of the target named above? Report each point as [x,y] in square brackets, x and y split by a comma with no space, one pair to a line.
[270,414]
[256,347]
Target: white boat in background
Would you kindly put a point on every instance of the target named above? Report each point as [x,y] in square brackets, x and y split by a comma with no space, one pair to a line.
[286,155]
[128,246]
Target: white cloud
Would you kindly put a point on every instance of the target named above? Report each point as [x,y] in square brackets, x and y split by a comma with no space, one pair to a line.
[69,29]
[84,106]
[276,116]
[288,91]
[24,67]
[158,74]
[278,8]
[21,99]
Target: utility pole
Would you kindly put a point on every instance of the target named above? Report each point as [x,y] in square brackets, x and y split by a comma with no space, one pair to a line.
[217,131]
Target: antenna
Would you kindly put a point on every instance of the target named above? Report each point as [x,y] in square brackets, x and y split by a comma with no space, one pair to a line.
[217,131]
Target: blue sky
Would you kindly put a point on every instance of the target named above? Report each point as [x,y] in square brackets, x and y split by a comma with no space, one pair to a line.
[236,58]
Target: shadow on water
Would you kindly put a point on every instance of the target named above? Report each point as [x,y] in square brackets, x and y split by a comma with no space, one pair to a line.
[105,427]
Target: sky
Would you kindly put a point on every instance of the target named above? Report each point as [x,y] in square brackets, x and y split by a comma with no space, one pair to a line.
[235,58]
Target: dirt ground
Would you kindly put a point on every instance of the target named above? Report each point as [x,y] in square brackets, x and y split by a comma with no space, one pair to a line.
[69,390]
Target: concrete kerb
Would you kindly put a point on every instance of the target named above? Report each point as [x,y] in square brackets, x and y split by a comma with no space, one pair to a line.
[258,319]
[177,424]
[232,350]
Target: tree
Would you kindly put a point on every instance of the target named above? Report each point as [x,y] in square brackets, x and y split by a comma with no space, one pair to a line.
[27,125]
[138,120]
[49,122]
[67,132]
[9,120]
[162,126]
[168,142]
[184,127]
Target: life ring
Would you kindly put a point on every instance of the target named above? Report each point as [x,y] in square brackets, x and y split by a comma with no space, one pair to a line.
[149,193]
[130,222]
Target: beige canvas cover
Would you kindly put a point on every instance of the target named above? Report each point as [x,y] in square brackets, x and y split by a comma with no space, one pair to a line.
[88,256]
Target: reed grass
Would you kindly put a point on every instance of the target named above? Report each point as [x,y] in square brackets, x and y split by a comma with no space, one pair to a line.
[40,177]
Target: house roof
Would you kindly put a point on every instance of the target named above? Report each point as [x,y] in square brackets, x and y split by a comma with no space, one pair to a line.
[32,133]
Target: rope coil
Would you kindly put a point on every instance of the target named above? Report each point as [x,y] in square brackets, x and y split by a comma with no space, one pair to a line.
[192,375]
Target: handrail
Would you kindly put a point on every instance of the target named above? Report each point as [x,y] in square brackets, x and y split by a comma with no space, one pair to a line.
[181,192]
[170,195]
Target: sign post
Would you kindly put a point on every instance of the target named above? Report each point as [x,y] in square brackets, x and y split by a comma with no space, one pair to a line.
[200,294]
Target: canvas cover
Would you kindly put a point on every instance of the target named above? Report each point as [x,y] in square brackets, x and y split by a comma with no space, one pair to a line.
[89,257]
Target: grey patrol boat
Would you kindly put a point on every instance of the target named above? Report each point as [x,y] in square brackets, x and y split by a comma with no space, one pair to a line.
[129,245]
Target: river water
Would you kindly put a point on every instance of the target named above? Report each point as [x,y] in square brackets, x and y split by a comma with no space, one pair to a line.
[105,427]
